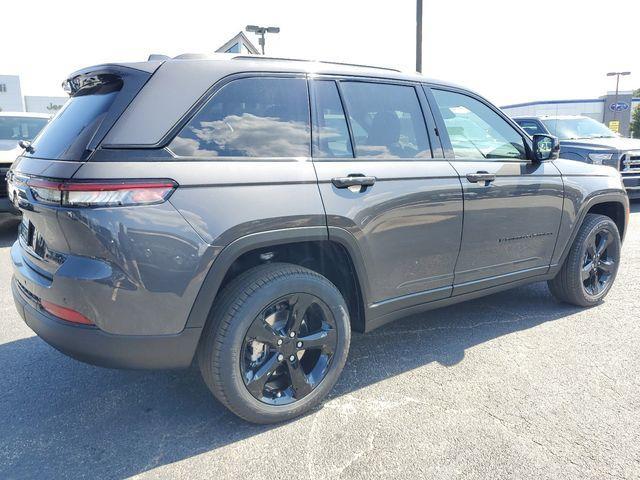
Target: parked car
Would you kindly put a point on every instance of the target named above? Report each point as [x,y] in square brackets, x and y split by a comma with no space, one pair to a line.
[14,127]
[250,215]
[585,139]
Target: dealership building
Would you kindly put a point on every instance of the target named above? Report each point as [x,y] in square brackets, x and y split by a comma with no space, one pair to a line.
[11,99]
[615,112]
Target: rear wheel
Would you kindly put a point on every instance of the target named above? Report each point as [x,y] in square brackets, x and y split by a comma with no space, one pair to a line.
[592,264]
[276,343]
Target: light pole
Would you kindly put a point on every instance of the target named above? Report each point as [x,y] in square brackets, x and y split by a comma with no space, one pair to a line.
[419,36]
[261,31]
[615,101]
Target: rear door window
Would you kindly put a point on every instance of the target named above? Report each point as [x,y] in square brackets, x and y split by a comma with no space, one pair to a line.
[331,134]
[250,117]
[386,120]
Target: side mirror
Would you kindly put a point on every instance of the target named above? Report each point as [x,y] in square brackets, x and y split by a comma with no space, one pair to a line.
[545,147]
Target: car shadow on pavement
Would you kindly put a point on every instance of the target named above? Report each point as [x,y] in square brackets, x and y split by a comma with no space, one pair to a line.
[62,418]
[8,233]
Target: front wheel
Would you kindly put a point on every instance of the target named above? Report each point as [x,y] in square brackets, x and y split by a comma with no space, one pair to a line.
[276,343]
[590,269]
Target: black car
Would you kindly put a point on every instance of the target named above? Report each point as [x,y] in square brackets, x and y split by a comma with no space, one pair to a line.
[586,140]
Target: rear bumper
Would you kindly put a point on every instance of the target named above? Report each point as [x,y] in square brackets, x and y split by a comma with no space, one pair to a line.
[92,345]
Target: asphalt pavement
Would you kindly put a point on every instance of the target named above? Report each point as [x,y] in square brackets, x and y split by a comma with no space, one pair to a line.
[515,385]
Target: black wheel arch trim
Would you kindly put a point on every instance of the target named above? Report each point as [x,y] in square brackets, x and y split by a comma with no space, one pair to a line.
[595,198]
[229,254]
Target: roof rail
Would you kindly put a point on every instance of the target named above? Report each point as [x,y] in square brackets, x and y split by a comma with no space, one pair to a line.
[261,57]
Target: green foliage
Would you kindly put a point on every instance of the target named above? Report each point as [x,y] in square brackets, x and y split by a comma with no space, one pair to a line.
[634,128]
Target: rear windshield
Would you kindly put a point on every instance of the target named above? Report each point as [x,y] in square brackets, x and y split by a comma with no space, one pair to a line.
[20,128]
[66,137]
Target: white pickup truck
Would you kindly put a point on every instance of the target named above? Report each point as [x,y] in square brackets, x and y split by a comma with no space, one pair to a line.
[14,127]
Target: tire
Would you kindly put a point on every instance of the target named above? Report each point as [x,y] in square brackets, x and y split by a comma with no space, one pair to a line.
[226,350]
[569,285]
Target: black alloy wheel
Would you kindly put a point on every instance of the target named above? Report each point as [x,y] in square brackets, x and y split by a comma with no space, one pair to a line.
[599,262]
[589,270]
[275,343]
[288,349]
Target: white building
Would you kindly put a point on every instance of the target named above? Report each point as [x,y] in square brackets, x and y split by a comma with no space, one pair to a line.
[11,99]
[239,44]
[597,108]
[10,94]
[593,108]
[44,104]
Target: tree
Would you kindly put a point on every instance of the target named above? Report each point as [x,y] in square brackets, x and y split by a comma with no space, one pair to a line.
[634,128]
[636,92]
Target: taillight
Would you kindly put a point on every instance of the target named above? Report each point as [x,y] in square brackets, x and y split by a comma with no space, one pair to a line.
[101,193]
[65,313]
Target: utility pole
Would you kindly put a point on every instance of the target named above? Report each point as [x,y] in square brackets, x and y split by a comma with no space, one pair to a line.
[419,36]
[615,101]
[261,31]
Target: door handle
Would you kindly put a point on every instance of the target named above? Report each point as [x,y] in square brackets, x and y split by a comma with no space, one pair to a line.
[481,177]
[353,180]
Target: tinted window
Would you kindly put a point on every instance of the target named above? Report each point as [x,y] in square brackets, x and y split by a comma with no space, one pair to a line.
[20,128]
[532,127]
[331,131]
[386,120]
[475,130]
[68,134]
[577,127]
[250,117]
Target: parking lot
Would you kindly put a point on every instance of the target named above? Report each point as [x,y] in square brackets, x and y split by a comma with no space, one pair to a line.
[514,385]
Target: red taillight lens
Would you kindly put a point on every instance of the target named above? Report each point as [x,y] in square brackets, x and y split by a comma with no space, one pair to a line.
[102,194]
[65,313]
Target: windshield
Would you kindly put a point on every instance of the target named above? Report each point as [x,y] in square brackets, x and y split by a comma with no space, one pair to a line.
[20,128]
[575,128]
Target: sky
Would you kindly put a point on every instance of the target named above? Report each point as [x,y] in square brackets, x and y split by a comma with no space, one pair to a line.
[508,51]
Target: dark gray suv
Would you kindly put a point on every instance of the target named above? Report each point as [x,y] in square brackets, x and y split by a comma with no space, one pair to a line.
[250,212]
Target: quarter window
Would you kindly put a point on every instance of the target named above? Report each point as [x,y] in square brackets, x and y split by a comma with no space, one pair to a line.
[386,120]
[331,138]
[250,117]
[475,130]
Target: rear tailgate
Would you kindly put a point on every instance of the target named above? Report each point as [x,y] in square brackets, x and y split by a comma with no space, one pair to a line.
[99,95]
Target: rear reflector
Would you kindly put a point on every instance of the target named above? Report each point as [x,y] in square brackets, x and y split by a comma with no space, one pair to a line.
[65,313]
[100,193]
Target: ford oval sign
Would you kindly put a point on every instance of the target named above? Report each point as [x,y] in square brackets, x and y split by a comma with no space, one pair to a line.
[619,107]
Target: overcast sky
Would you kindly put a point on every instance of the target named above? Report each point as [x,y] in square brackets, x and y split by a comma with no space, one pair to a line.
[509,51]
